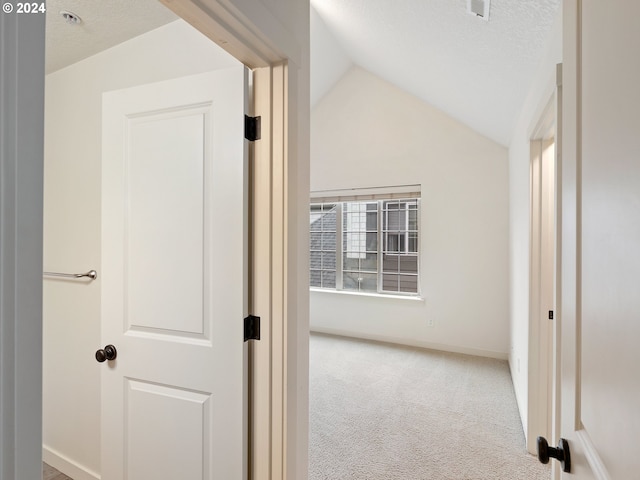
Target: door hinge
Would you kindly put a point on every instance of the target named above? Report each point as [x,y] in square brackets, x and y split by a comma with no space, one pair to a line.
[251,128]
[251,328]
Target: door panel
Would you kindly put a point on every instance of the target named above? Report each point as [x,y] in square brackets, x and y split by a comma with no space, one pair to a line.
[184,413]
[600,332]
[174,279]
[163,248]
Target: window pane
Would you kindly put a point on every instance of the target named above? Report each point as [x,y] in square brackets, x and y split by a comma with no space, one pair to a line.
[370,262]
[354,242]
[409,283]
[329,279]
[413,242]
[363,282]
[368,282]
[329,260]
[315,240]
[315,260]
[350,281]
[394,242]
[390,263]
[316,218]
[350,261]
[413,220]
[372,219]
[329,218]
[408,264]
[372,241]
[400,283]
[315,278]
[328,240]
[390,282]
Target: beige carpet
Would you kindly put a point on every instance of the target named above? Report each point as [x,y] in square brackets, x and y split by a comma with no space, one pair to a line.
[393,413]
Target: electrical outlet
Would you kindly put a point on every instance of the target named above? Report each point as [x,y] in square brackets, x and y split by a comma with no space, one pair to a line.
[430,322]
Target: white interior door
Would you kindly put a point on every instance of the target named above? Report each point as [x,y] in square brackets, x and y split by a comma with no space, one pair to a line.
[174,272]
[601,235]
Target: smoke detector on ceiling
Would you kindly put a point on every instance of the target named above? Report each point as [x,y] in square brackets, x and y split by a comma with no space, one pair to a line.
[479,8]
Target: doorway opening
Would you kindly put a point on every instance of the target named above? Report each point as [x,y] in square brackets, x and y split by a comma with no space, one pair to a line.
[74,88]
[542,286]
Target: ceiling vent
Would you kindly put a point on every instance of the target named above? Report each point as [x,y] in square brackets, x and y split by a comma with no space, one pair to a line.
[479,8]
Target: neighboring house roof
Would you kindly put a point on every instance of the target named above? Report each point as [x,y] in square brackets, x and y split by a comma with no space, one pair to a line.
[319,221]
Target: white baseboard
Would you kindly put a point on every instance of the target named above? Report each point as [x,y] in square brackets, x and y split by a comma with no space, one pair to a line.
[414,343]
[67,466]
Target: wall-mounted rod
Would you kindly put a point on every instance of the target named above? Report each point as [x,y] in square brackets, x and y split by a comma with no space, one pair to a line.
[92,274]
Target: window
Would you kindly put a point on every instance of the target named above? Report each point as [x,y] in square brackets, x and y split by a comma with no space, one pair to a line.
[365,245]
[400,249]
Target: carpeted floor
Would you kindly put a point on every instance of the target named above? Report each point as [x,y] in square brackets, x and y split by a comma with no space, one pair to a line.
[381,412]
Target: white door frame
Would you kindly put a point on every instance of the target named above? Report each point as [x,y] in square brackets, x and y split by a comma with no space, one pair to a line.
[280,296]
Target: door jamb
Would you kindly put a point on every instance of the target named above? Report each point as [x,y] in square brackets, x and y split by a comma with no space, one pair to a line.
[542,391]
[270,448]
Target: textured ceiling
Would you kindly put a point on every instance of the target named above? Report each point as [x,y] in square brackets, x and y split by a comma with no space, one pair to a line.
[476,71]
[105,23]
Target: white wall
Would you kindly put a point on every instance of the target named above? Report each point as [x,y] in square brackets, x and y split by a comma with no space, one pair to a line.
[72,226]
[329,61]
[366,133]
[541,91]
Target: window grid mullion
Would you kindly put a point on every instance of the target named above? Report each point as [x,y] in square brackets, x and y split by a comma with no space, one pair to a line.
[339,272]
[380,238]
[418,229]
[406,227]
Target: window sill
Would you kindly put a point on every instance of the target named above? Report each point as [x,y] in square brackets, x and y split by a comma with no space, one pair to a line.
[411,298]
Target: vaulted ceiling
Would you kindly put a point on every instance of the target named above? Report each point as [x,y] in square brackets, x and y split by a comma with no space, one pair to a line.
[476,71]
